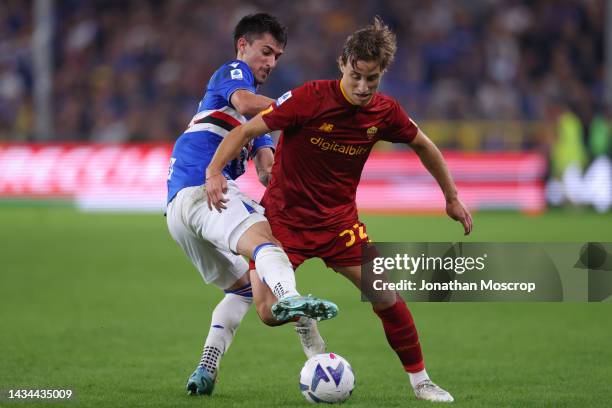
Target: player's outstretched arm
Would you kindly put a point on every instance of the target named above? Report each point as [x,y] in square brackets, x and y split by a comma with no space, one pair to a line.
[433,160]
[264,160]
[230,147]
[249,104]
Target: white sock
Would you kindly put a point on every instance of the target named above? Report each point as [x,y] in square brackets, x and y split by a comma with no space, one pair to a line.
[275,270]
[303,321]
[226,318]
[417,377]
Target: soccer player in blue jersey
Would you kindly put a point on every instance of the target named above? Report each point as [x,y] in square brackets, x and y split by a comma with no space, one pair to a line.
[214,240]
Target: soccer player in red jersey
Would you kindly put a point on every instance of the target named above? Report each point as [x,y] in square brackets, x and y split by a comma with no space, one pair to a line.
[329,129]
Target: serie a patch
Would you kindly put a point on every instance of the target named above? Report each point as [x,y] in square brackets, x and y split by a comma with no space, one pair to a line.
[283,98]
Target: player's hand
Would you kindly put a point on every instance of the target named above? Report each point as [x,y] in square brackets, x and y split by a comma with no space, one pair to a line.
[216,186]
[459,212]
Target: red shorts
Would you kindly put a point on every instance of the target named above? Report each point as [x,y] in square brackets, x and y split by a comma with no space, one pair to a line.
[336,248]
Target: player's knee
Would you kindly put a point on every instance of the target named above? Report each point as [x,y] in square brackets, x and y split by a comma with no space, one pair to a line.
[258,234]
[268,238]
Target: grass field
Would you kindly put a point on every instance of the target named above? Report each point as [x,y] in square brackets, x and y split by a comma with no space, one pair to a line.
[108,306]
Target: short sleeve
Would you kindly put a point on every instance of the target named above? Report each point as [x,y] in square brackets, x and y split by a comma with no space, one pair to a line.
[261,142]
[233,77]
[401,129]
[293,108]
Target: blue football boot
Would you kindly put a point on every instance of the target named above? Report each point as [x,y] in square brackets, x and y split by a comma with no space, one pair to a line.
[309,306]
[200,382]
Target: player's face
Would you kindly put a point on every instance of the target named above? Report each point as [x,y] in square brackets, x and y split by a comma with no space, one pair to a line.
[261,55]
[361,81]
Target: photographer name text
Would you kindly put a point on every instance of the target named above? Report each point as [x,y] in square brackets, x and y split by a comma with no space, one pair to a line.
[455,285]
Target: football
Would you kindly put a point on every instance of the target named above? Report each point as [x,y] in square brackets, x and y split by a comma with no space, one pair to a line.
[327,378]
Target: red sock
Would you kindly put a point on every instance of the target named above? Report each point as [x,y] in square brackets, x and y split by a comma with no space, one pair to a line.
[402,335]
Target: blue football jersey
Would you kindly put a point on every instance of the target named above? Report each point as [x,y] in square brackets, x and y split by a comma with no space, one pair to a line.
[214,119]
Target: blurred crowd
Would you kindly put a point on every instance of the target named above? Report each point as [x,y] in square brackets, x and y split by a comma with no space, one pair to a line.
[135,70]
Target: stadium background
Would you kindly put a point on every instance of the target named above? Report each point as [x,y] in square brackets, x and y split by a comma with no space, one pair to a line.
[92,95]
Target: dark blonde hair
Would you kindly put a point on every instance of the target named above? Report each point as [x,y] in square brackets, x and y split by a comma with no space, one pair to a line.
[375,42]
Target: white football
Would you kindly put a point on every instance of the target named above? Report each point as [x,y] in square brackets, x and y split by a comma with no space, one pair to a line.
[327,378]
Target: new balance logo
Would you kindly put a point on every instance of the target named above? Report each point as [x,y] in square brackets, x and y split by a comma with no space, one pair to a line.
[326,127]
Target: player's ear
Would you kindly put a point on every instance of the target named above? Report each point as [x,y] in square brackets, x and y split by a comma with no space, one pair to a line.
[340,65]
[241,44]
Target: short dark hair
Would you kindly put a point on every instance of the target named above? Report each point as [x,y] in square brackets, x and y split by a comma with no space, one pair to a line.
[255,25]
[375,42]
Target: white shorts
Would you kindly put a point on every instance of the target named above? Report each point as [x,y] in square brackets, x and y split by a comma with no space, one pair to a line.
[209,238]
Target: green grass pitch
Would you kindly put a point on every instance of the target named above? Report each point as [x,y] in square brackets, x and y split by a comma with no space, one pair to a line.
[108,306]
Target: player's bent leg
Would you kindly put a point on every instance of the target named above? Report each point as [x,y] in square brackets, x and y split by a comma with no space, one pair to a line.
[226,318]
[264,299]
[272,264]
[275,270]
[306,328]
[401,334]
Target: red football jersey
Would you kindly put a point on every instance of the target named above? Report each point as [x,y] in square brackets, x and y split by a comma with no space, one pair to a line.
[325,143]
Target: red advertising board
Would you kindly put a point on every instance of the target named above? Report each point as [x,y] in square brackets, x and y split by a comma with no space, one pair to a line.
[133,177]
